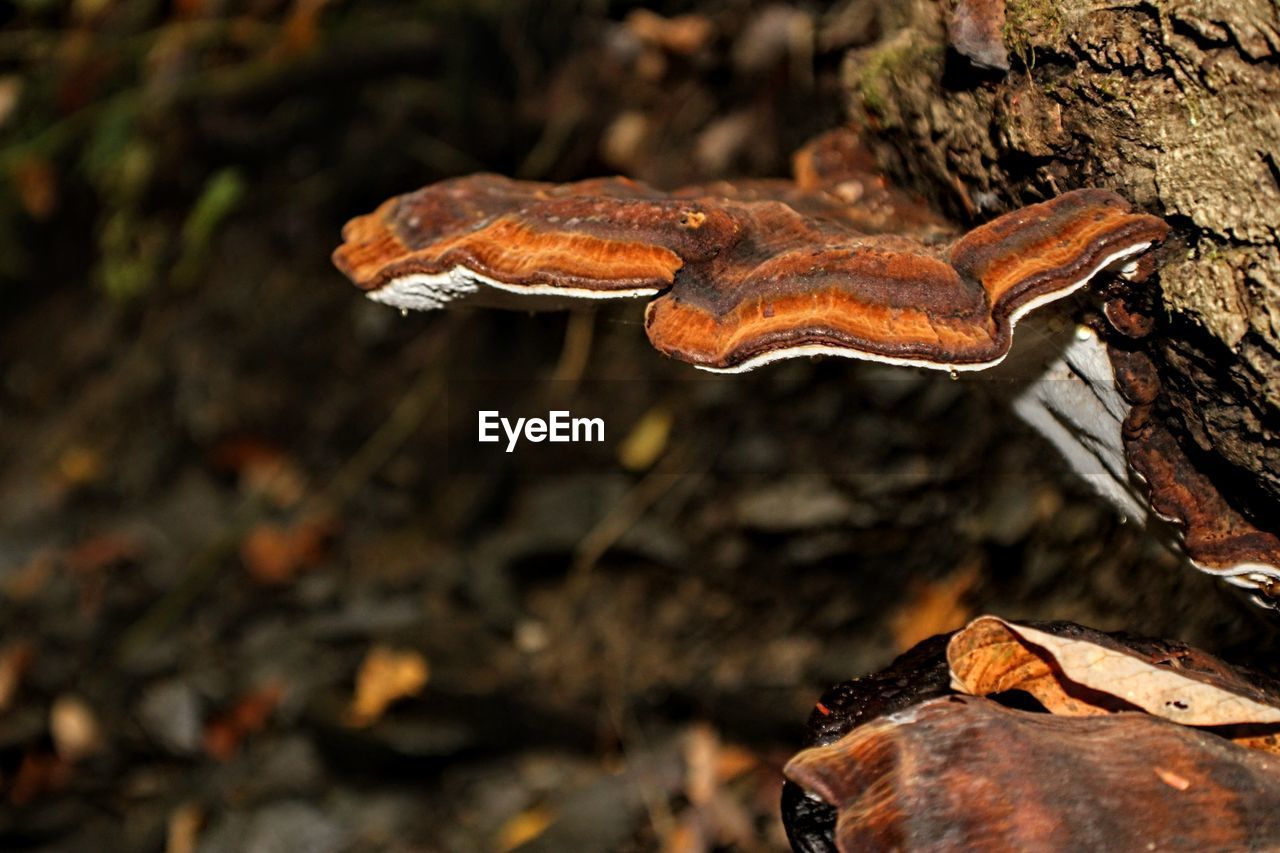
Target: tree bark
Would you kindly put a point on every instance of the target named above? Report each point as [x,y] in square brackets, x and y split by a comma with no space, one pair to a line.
[1173,103]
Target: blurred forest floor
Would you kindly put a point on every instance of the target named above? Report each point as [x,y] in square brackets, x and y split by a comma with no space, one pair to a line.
[247,599]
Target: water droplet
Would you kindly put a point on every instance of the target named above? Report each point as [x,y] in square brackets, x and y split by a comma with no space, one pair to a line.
[954,374]
[404,312]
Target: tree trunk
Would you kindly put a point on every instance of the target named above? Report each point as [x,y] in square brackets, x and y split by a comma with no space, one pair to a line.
[1173,103]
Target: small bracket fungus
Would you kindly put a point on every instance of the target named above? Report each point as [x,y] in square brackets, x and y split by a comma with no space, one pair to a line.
[1216,537]
[1138,743]
[1097,403]
[833,263]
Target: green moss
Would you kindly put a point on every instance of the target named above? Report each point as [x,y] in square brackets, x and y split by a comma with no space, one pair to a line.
[1107,86]
[1027,22]
[886,65]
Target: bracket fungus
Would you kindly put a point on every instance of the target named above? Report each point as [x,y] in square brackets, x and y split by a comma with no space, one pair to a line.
[1099,401]
[834,262]
[1138,744]
[1216,537]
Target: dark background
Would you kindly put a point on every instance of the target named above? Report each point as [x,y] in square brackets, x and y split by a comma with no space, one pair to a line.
[227,486]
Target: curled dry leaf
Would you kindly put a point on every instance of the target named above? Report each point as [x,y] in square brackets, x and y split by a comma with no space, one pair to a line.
[832,263]
[385,675]
[1076,671]
[951,774]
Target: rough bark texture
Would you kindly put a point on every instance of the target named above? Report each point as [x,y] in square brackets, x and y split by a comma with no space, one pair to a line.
[1173,103]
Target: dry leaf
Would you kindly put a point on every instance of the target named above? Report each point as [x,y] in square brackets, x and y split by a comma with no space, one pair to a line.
[647,439]
[523,828]
[988,657]
[15,660]
[1213,694]
[79,466]
[74,728]
[225,732]
[934,608]
[385,675]
[104,551]
[183,831]
[276,553]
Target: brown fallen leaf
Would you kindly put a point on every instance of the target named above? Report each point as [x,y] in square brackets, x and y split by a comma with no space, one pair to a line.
[988,657]
[38,774]
[952,774]
[1074,670]
[15,661]
[261,469]
[182,833]
[386,675]
[275,554]
[523,828]
[647,440]
[225,732]
[934,607]
[104,551]
[74,728]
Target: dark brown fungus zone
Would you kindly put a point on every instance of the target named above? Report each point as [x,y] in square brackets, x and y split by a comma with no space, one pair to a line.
[1136,742]
[834,262]
[1216,537]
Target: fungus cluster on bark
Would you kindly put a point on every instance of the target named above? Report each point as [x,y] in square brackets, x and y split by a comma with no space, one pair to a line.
[836,261]
[1136,742]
